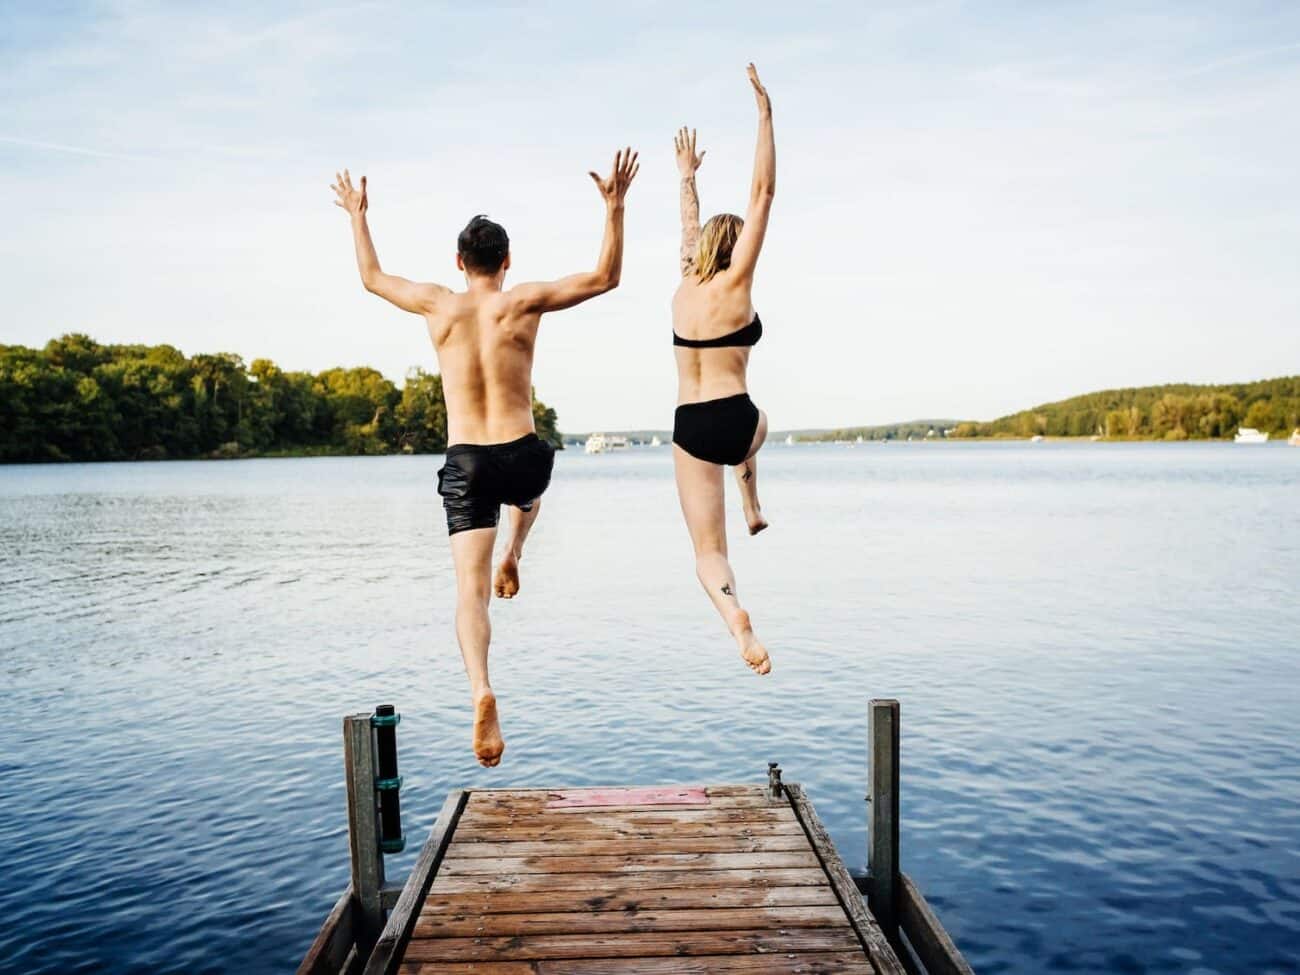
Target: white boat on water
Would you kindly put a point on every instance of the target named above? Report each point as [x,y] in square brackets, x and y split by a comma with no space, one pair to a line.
[1036,438]
[656,442]
[598,443]
[1294,441]
[1249,435]
[789,439]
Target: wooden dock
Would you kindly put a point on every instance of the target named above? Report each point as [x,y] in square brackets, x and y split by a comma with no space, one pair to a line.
[716,879]
[674,879]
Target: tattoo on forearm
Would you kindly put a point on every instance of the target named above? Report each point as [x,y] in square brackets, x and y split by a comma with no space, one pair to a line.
[690,224]
[726,589]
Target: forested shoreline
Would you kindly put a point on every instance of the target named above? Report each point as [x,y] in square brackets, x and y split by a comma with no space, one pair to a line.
[78,400]
[1170,412]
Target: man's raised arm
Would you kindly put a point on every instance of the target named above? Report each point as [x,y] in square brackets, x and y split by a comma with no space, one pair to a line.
[407,295]
[544,296]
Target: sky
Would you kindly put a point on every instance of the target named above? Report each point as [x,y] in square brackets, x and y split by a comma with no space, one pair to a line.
[980,206]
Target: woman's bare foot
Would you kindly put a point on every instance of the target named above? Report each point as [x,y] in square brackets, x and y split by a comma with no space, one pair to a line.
[506,584]
[488,743]
[756,521]
[753,652]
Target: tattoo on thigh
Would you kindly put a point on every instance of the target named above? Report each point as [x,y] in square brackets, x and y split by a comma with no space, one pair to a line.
[726,589]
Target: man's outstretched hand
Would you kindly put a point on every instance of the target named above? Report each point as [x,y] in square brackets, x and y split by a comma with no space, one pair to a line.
[350,199]
[614,187]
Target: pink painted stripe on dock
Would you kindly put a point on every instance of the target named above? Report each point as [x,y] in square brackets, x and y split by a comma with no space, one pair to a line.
[668,796]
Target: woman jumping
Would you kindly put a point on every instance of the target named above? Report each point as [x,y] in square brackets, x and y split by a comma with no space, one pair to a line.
[714,326]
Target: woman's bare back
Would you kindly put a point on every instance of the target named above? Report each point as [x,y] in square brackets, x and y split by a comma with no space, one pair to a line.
[709,310]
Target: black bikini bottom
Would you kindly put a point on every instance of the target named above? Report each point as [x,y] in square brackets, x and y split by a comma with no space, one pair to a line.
[719,431]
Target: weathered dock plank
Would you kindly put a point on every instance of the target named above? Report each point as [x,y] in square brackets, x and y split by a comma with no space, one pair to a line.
[611,922]
[632,944]
[873,939]
[808,963]
[586,846]
[479,818]
[682,880]
[630,898]
[599,882]
[632,863]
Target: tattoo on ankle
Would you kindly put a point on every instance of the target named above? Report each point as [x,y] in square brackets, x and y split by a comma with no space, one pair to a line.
[726,590]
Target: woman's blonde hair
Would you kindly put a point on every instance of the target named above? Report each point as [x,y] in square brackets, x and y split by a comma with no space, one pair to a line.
[717,237]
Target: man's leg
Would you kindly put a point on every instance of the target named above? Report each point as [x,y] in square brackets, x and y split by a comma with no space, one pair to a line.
[472,553]
[521,522]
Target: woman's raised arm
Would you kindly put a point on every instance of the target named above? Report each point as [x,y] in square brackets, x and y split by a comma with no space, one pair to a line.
[687,163]
[744,256]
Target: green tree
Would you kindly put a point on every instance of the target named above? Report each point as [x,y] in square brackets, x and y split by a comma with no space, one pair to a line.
[75,399]
[422,414]
[1261,416]
[544,419]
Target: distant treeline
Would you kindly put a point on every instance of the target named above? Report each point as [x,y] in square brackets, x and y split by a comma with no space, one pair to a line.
[78,400]
[1177,412]
[916,429]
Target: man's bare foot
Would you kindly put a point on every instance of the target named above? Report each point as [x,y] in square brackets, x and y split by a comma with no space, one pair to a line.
[506,584]
[753,652]
[488,744]
[756,521]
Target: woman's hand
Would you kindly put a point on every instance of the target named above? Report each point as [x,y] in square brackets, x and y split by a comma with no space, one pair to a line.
[687,160]
[760,93]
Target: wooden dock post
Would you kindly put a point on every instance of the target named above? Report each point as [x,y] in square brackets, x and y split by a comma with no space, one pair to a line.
[774,789]
[363,829]
[883,863]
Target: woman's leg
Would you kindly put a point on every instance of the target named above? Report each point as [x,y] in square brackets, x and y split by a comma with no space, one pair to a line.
[747,479]
[700,490]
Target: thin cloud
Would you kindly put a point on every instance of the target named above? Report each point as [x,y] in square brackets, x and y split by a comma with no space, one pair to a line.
[1236,59]
[76,150]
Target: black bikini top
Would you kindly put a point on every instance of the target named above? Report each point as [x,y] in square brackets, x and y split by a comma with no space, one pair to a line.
[744,336]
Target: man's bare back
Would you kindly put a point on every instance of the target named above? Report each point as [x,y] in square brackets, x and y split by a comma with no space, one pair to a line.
[485,340]
[484,337]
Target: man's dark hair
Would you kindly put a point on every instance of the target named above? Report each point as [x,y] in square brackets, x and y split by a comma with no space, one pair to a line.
[483,245]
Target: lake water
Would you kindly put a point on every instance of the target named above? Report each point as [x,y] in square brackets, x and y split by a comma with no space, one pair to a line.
[1095,647]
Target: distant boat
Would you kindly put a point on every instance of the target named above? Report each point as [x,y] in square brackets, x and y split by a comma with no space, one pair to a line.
[789,439]
[1036,438]
[859,440]
[1295,438]
[1249,435]
[598,443]
[655,441]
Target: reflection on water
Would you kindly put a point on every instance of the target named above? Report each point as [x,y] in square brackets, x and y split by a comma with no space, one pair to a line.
[1094,647]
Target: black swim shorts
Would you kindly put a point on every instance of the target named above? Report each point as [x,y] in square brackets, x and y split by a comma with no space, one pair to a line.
[478,478]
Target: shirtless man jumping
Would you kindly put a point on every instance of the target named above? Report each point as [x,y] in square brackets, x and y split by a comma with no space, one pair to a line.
[484,337]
